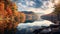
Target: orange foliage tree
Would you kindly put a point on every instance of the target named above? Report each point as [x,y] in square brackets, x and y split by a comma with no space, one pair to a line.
[7,15]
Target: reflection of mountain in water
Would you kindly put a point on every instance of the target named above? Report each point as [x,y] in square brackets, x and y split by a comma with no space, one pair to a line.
[27,30]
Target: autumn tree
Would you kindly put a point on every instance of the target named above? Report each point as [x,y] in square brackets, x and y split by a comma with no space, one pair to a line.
[57,11]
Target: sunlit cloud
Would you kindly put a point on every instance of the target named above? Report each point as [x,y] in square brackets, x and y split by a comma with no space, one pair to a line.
[46,8]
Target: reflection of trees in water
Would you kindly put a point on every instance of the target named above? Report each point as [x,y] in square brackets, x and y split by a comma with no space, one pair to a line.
[13,31]
[52,29]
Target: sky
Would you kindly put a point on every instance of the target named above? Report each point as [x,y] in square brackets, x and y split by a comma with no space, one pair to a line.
[37,6]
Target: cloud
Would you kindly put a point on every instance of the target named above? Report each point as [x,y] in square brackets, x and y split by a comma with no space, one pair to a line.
[46,8]
[31,3]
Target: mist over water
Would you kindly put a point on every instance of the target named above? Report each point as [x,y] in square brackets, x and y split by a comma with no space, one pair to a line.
[39,7]
[46,7]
